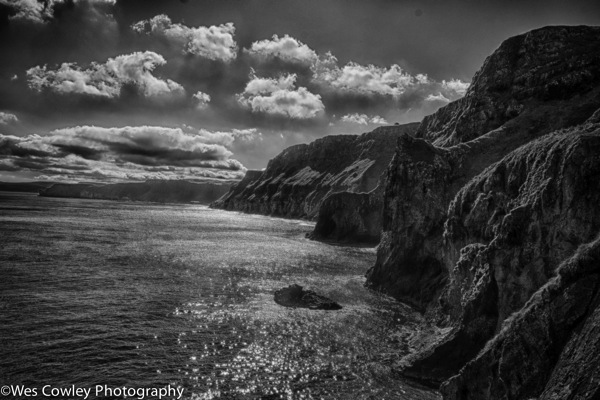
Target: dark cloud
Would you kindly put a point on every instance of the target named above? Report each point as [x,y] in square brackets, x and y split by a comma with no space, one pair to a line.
[140,152]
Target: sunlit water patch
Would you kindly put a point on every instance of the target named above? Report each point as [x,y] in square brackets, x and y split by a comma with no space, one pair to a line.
[145,295]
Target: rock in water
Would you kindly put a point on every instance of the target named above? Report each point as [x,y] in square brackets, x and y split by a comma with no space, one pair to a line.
[295,296]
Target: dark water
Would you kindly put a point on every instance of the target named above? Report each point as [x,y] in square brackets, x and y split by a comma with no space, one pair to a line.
[144,296]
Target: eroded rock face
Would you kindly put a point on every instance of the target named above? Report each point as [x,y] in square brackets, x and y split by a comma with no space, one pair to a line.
[295,182]
[474,223]
[506,233]
[424,178]
[348,217]
[547,65]
[549,350]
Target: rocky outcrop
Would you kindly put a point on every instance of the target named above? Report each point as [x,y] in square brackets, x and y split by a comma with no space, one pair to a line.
[296,182]
[350,217]
[549,350]
[484,204]
[506,233]
[295,296]
[160,191]
[424,178]
[541,68]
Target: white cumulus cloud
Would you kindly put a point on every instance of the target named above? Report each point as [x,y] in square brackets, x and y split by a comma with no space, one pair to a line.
[216,42]
[41,11]
[281,97]
[202,100]
[364,119]
[107,79]
[456,85]
[7,118]
[392,81]
[366,79]
[437,98]
[285,48]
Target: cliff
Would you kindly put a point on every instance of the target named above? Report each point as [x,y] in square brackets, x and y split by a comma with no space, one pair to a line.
[493,193]
[296,182]
[160,191]
[557,330]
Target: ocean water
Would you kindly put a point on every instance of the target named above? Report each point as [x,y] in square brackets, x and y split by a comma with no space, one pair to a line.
[148,296]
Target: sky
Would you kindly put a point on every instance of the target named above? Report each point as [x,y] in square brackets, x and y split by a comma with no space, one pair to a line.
[122,90]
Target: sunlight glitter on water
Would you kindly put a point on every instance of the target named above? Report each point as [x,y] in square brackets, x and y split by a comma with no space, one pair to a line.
[144,294]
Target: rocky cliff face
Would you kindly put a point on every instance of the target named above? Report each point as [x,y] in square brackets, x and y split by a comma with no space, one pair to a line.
[154,191]
[351,217]
[541,68]
[296,182]
[474,223]
[506,232]
[549,350]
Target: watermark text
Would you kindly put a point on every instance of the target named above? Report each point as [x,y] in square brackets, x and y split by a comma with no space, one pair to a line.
[49,391]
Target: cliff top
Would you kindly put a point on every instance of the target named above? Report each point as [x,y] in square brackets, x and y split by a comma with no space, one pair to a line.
[548,65]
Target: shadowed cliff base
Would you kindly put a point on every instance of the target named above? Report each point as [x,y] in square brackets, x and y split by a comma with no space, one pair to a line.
[480,209]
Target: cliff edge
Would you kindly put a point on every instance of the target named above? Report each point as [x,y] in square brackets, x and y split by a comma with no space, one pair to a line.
[296,182]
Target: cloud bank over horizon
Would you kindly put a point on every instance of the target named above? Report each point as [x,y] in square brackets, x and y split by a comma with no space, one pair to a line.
[138,153]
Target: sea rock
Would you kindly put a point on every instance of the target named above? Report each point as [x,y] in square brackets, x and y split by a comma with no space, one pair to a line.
[160,191]
[296,297]
[296,182]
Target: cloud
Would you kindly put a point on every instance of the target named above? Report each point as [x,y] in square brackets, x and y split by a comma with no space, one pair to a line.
[372,80]
[8,118]
[380,90]
[363,119]
[369,79]
[131,152]
[107,80]
[225,138]
[437,98]
[215,42]
[42,11]
[456,85]
[202,100]
[280,97]
[285,48]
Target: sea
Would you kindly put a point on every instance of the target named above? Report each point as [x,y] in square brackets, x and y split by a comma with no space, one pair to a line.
[106,299]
